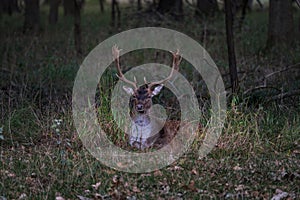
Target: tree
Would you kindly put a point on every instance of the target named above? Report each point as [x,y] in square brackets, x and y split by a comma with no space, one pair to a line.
[230,46]
[101,3]
[77,26]
[170,6]
[69,7]
[9,6]
[139,5]
[53,13]
[115,10]
[32,15]
[245,6]
[281,29]
[206,7]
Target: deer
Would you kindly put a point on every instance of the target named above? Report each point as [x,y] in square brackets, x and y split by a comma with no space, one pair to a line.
[141,132]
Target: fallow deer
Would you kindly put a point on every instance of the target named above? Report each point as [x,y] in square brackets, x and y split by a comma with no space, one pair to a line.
[141,132]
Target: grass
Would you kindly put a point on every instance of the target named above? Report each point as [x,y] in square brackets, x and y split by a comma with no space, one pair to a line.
[42,157]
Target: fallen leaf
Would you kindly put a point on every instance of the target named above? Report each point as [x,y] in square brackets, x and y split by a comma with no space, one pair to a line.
[280,195]
[96,185]
[116,179]
[157,173]
[83,198]
[192,187]
[230,196]
[239,187]
[178,168]
[11,175]
[237,168]
[99,196]
[136,189]
[194,171]
[23,196]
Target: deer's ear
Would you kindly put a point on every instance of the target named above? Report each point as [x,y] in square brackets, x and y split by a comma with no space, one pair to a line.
[128,90]
[156,90]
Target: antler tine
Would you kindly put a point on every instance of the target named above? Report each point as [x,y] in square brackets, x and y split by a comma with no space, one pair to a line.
[175,66]
[120,75]
[176,59]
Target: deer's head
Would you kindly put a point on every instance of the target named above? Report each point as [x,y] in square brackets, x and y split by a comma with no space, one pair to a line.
[141,97]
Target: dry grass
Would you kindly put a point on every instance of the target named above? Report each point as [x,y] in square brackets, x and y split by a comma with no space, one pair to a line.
[41,156]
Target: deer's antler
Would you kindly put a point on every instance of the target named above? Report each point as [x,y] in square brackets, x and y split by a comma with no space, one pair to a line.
[120,75]
[175,66]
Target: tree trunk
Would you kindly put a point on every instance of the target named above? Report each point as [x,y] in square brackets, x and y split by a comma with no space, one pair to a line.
[154,3]
[101,3]
[77,27]
[113,13]
[230,47]
[9,6]
[53,13]
[139,5]
[115,10]
[170,6]
[281,30]
[242,19]
[179,7]
[69,7]
[32,15]
[1,9]
[206,7]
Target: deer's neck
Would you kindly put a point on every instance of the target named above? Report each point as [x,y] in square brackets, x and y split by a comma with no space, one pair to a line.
[141,126]
[142,120]
[141,131]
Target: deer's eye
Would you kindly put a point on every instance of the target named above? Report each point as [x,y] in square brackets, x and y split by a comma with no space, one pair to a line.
[147,100]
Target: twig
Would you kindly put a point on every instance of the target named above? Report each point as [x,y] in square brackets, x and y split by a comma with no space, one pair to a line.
[260,87]
[282,70]
[278,71]
[284,95]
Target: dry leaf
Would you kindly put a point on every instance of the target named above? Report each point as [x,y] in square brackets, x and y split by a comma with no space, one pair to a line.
[23,196]
[11,175]
[178,168]
[280,195]
[239,187]
[83,198]
[237,168]
[192,187]
[136,189]
[116,179]
[157,173]
[194,171]
[96,185]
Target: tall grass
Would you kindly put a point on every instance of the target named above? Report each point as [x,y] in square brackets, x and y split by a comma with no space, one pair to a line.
[41,157]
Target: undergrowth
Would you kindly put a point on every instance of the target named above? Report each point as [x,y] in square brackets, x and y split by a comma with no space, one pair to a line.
[42,157]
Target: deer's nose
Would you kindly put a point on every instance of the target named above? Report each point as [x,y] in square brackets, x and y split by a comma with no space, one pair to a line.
[139,107]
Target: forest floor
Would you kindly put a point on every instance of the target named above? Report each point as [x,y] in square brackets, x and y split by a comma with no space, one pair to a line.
[41,155]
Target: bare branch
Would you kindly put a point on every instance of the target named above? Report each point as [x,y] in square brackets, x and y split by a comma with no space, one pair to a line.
[282,70]
[284,95]
[260,87]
